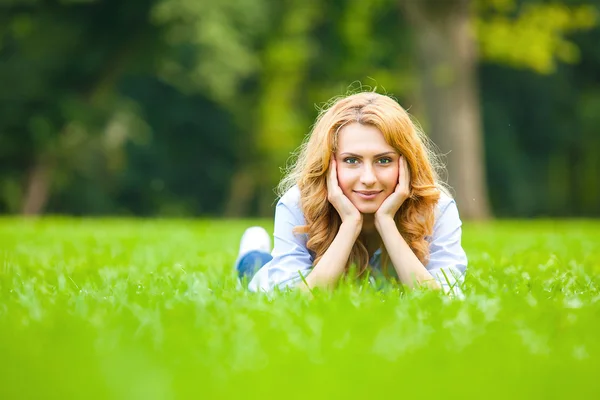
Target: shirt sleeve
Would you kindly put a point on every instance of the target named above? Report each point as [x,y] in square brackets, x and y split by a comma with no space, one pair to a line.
[447,259]
[290,255]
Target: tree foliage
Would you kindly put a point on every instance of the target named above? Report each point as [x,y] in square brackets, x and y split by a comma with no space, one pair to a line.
[531,35]
[179,107]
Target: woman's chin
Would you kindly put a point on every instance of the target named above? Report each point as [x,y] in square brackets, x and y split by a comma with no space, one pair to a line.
[368,209]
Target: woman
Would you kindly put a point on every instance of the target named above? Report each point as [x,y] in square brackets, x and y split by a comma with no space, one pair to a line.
[364,191]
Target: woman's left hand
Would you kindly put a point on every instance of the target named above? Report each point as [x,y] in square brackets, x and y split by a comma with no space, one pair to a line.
[392,204]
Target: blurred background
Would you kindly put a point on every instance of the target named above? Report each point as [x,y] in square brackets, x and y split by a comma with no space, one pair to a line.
[193,107]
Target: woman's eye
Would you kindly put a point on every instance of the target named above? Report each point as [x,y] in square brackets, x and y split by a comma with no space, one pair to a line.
[385,160]
[350,160]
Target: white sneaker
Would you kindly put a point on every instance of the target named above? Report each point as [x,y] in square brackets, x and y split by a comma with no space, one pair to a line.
[255,238]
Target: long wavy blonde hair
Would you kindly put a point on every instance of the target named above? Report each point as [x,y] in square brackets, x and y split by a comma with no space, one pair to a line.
[415,217]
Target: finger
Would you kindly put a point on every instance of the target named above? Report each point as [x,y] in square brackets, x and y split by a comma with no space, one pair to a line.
[401,172]
[402,185]
[406,175]
[334,170]
[332,175]
[398,189]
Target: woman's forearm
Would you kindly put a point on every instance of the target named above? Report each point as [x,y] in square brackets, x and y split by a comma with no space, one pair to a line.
[331,266]
[409,269]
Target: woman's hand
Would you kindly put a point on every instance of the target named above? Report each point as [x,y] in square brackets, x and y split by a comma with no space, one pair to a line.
[391,205]
[347,211]
[332,264]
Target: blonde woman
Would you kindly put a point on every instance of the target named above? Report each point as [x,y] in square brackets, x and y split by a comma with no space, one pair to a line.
[364,192]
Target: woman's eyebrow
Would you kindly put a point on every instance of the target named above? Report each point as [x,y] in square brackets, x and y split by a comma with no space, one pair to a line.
[376,155]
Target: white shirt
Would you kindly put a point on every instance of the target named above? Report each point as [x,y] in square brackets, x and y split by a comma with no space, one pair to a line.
[291,257]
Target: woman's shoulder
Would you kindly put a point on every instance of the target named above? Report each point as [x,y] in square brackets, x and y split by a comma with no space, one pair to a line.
[291,198]
[444,201]
[288,207]
[290,202]
[446,208]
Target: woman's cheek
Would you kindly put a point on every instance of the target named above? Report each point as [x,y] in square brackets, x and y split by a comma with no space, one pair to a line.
[389,179]
[344,181]
[392,178]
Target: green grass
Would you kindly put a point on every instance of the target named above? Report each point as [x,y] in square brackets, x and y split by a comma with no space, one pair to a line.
[142,309]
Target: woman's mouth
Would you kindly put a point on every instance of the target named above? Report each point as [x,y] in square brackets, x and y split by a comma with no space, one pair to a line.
[367,194]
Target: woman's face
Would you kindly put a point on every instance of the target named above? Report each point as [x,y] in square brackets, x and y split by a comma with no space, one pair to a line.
[367,166]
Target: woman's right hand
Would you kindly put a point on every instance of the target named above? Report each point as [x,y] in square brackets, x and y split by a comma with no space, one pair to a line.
[347,211]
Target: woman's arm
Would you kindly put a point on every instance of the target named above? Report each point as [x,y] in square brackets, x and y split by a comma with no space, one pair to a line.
[409,269]
[331,266]
[447,261]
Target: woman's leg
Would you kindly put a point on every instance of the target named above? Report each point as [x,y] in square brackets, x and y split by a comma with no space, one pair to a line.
[251,262]
[255,247]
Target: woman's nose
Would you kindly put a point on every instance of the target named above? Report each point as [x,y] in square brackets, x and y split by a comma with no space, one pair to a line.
[368,177]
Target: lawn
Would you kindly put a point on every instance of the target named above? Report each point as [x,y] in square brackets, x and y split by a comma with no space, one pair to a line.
[150,309]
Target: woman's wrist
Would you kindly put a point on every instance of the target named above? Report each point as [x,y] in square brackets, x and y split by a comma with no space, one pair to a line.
[383,223]
[331,266]
[352,225]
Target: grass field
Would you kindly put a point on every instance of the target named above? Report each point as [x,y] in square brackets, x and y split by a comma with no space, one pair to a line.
[144,309]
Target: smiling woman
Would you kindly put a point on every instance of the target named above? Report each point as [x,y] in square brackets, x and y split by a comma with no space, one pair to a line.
[364,191]
[367,168]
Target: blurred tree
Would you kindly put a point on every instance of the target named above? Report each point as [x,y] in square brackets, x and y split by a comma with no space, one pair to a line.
[216,49]
[58,72]
[540,148]
[308,59]
[211,44]
[286,56]
[542,136]
[61,65]
[447,56]
[178,107]
[530,36]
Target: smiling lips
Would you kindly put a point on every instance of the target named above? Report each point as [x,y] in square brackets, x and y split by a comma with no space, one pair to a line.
[367,194]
